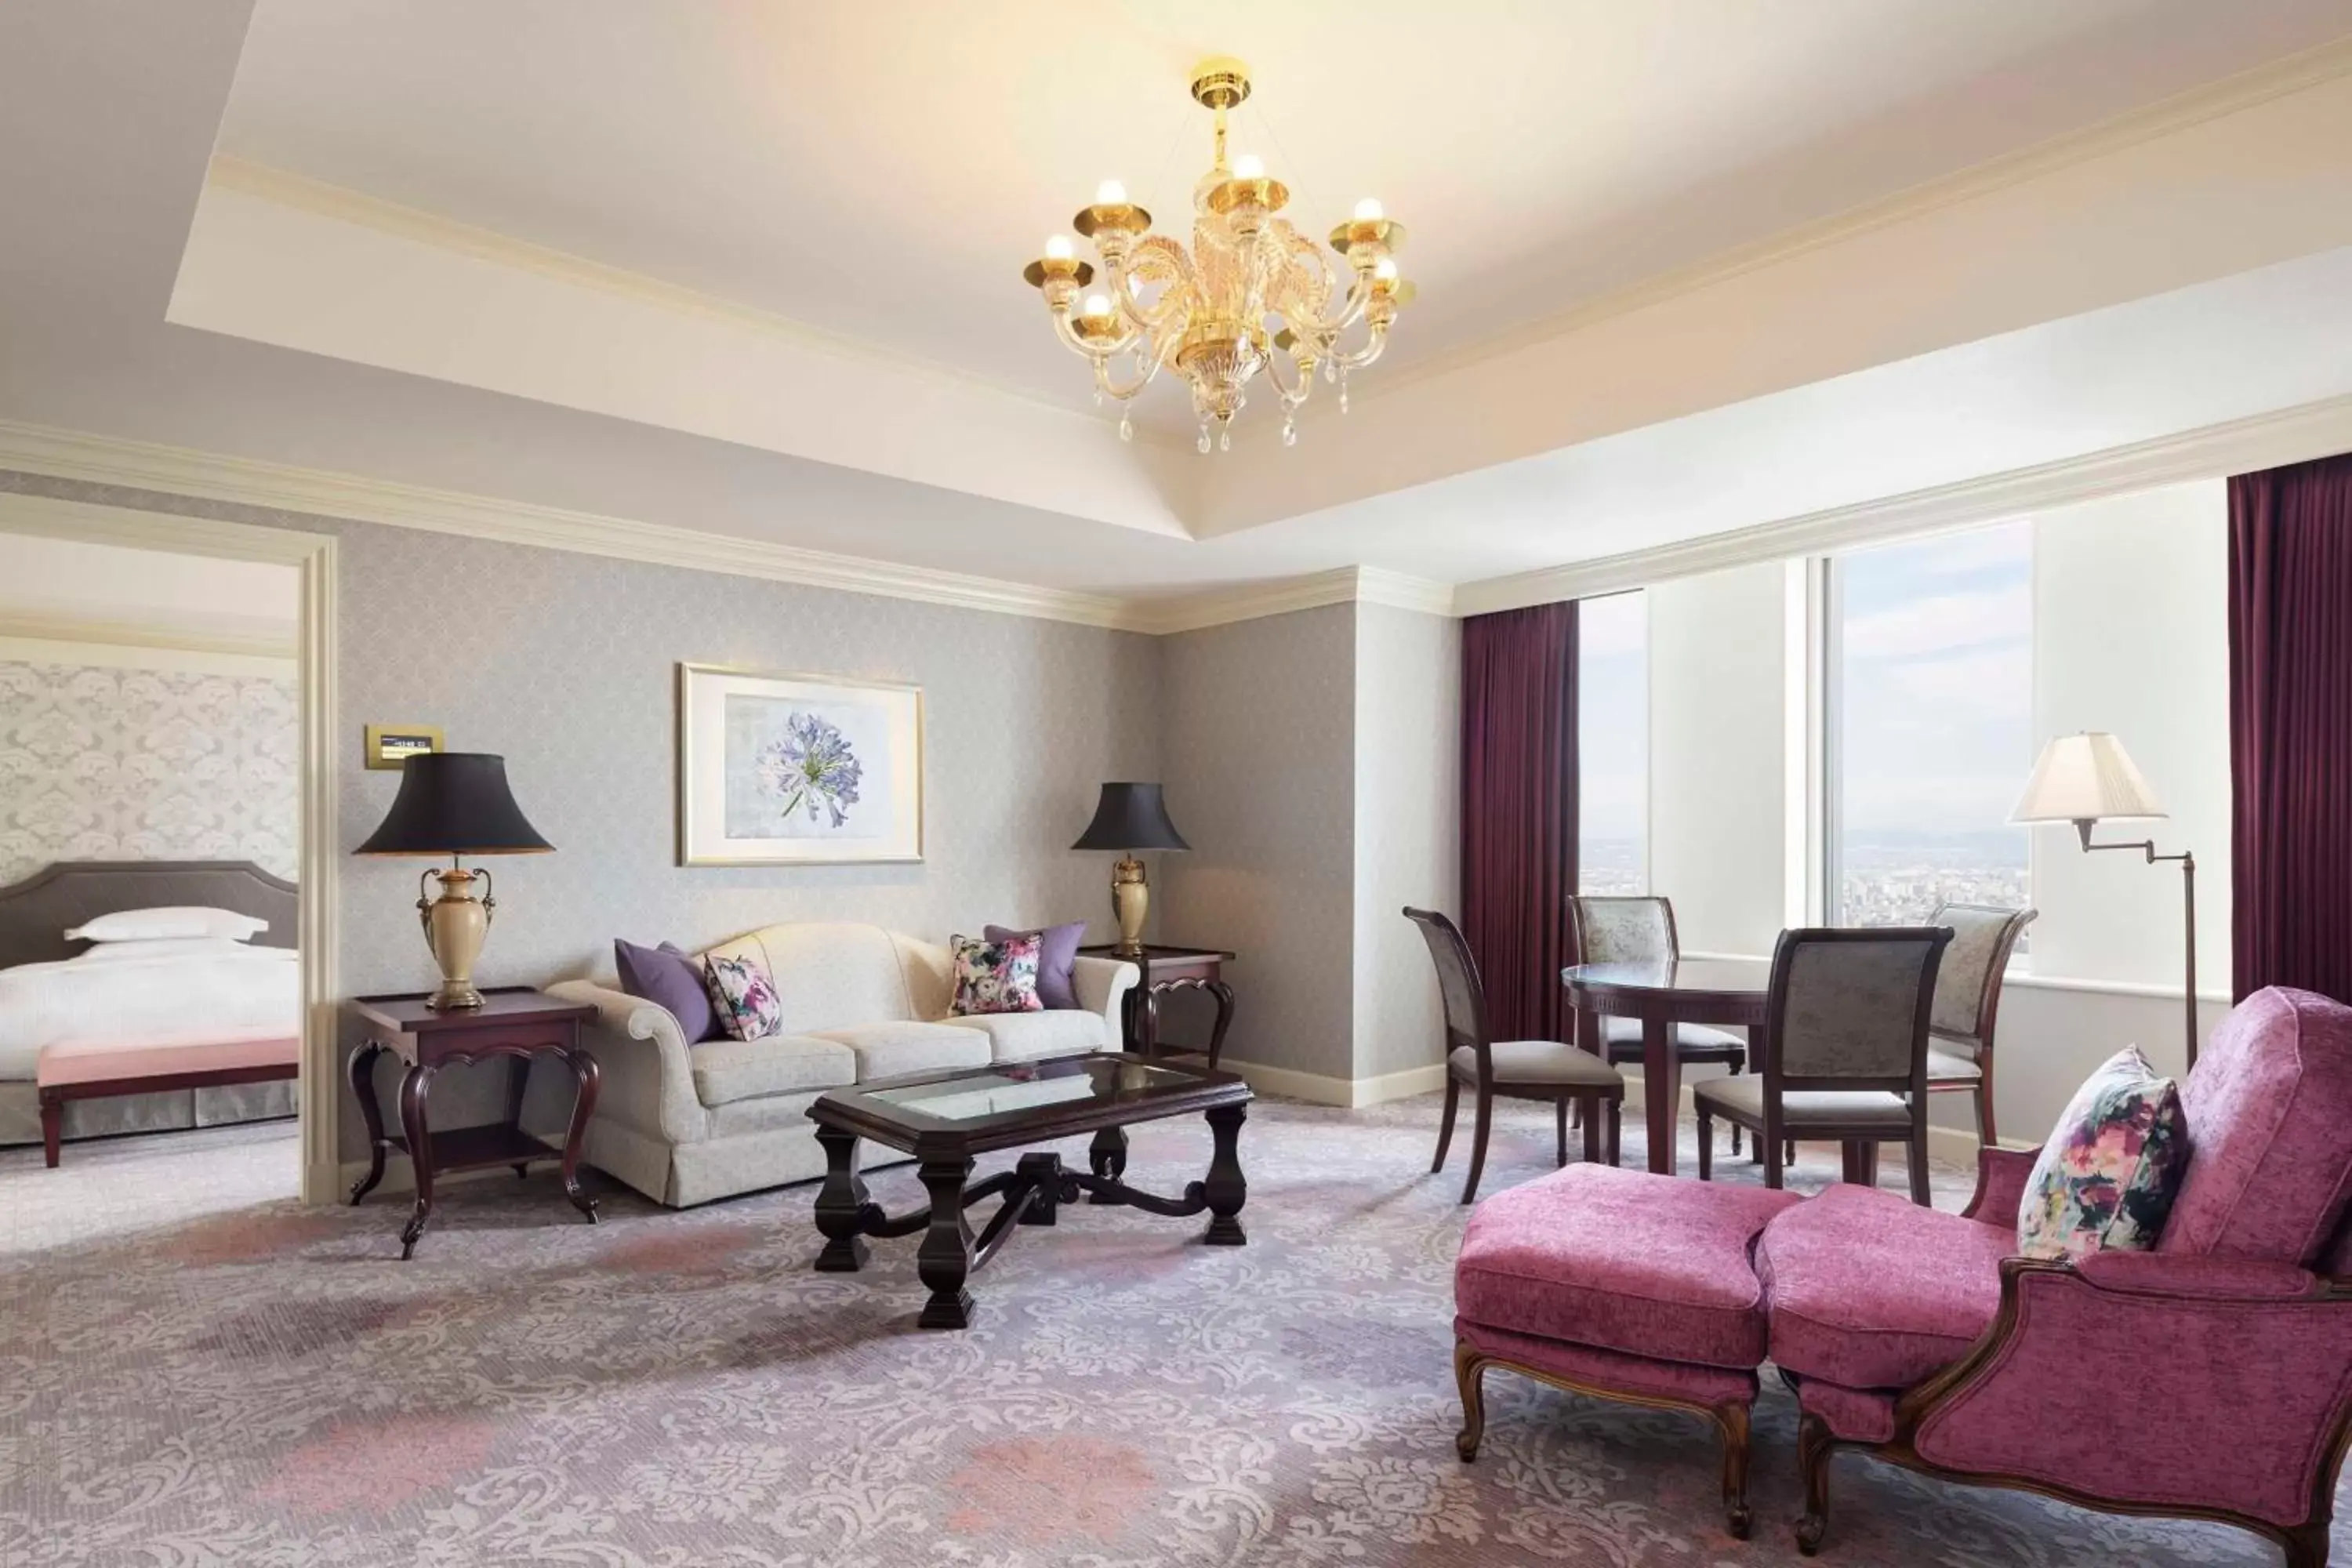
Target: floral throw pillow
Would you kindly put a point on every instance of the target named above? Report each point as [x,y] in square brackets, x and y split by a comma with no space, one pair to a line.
[2107,1175]
[998,977]
[743,997]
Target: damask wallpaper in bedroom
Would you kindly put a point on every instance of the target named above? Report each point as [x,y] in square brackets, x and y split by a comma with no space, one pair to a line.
[102,764]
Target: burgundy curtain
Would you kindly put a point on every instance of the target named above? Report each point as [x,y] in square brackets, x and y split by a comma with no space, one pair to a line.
[1518,813]
[2291,727]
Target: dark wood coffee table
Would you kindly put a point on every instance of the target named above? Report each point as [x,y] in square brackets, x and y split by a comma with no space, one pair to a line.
[946,1119]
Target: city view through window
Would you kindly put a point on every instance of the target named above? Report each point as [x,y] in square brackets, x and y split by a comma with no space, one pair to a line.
[1612,742]
[1934,720]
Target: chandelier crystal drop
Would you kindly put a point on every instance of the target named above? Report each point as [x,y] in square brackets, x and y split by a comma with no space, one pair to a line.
[1252,294]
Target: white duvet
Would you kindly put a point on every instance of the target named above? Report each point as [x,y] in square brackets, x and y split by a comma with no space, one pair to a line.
[111,992]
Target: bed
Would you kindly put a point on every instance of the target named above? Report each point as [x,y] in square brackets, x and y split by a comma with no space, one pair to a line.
[181,1039]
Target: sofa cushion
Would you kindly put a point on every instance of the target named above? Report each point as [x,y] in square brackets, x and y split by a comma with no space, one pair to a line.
[669,978]
[1026,1037]
[2267,1109]
[1058,959]
[729,1070]
[887,1050]
[1868,1289]
[1651,1266]
[743,997]
[998,977]
[2107,1175]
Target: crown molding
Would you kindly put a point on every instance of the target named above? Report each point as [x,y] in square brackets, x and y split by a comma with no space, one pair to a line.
[418,226]
[2229,95]
[1342,585]
[244,481]
[182,638]
[2240,445]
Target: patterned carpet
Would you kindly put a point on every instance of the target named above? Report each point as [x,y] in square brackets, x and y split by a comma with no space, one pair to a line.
[213,1380]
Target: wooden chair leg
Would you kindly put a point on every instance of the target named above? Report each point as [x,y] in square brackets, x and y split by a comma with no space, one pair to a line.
[1616,1132]
[1591,1131]
[1559,1116]
[1774,1165]
[1707,1143]
[1486,1110]
[1446,1131]
[1735,1068]
[1917,1157]
[1985,1133]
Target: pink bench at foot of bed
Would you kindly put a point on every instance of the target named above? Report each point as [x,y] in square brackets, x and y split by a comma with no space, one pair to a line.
[100,1067]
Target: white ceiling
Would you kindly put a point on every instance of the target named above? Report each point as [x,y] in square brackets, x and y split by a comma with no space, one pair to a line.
[722,147]
[884,172]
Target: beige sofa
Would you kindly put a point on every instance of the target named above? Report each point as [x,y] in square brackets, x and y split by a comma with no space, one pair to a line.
[687,1123]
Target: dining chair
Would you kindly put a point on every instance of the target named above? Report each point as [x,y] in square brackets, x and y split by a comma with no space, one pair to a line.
[1845,1051]
[1640,929]
[1968,999]
[1514,1070]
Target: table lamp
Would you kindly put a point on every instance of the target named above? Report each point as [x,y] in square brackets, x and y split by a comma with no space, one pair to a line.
[455,804]
[1128,818]
[2089,777]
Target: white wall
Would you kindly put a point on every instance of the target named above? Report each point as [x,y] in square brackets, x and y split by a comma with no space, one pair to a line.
[2131,635]
[1408,835]
[1717,745]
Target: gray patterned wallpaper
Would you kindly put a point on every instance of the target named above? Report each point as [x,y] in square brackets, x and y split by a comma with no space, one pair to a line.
[103,763]
[566,664]
[1259,757]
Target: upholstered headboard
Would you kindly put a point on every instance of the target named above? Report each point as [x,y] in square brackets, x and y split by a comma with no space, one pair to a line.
[35,914]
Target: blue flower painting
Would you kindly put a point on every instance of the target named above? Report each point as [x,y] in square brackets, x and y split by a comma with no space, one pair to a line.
[812,768]
[798,768]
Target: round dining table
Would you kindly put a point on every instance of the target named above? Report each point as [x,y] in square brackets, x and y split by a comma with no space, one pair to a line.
[1725,993]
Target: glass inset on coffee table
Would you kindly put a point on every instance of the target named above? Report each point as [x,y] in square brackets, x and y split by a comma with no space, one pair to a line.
[947,1119]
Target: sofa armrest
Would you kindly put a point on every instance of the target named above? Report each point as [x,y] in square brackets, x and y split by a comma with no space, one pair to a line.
[2001,1184]
[2151,1381]
[648,1079]
[1102,984]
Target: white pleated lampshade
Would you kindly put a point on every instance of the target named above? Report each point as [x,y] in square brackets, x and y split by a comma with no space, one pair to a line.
[2085,778]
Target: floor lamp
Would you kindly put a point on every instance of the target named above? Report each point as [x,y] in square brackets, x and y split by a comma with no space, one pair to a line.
[2087,778]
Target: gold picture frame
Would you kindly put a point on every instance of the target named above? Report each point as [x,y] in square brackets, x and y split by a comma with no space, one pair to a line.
[391,745]
[777,768]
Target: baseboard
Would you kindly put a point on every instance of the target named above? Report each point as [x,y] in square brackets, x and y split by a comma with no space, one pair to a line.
[1321,1088]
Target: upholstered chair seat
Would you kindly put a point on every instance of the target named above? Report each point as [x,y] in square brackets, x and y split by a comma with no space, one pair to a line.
[1948,1065]
[1805,1112]
[1536,1061]
[1623,1039]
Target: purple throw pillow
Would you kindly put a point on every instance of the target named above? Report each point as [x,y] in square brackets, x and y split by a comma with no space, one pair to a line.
[1057,955]
[667,977]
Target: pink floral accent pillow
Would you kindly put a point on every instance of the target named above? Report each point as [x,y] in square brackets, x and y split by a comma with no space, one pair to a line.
[998,977]
[2108,1175]
[743,997]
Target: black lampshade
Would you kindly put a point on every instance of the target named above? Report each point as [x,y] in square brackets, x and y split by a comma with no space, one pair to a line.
[1131,816]
[454,803]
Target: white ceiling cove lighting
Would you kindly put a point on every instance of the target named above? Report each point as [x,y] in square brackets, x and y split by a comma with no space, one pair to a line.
[1211,312]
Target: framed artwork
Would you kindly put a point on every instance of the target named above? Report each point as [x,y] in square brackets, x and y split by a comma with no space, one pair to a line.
[796,769]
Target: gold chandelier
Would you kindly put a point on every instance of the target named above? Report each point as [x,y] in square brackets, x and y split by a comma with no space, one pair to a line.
[1211,313]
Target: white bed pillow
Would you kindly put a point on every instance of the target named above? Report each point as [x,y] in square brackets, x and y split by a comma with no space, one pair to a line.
[178,923]
[176,947]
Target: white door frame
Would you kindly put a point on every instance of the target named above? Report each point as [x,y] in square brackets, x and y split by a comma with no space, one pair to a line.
[320,866]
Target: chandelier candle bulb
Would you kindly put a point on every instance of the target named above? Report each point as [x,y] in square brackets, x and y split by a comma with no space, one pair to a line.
[1249,296]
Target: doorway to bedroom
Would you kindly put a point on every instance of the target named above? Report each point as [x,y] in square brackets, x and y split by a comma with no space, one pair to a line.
[151,998]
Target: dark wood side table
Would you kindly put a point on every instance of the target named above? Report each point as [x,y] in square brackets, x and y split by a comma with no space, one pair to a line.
[1166,969]
[513,1021]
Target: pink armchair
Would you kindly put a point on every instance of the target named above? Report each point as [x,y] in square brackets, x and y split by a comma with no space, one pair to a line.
[2209,1378]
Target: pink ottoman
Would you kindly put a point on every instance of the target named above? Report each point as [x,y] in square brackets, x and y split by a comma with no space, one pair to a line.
[1623,1284]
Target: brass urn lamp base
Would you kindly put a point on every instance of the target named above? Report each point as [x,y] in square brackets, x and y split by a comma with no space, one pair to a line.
[455,925]
[1131,901]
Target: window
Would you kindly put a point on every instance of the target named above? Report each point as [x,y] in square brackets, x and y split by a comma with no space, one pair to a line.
[1612,743]
[1930,730]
